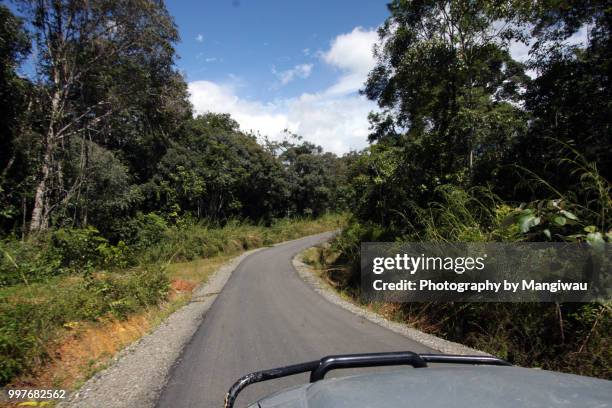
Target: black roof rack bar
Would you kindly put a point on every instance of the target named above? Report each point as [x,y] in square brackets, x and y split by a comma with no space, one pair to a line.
[365,360]
[266,375]
[319,368]
[461,359]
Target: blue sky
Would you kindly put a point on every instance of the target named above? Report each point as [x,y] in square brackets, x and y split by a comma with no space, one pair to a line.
[282,64]
[250,39]
[295,65]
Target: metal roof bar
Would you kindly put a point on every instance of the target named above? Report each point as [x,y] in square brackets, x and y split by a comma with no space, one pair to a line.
[319,368]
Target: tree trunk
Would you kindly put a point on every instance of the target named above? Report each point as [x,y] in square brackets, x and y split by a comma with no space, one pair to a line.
[40,214]
[38,221]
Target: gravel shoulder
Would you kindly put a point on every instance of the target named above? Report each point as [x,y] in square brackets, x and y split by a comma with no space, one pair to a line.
[139,372]
[324,289]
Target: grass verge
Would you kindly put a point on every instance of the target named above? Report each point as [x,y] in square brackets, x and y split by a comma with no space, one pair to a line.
[59,331]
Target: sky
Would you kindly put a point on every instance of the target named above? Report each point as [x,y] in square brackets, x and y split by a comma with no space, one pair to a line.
[294,64]
[276,65]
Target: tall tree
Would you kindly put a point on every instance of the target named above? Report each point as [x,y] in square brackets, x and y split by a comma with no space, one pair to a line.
[216,171]
[571,99]
[94,59]
[444,79]
[14,46]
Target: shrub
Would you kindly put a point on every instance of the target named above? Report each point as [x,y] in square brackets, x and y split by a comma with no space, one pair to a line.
[30,317]
[27,262]
[144,230]
[78,247]
[115,256]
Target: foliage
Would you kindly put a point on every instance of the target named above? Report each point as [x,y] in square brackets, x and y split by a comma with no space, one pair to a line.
[36,302]
[448,88]
[31,316]
[315,179]
[25,262]
[77,247]
[143,231]
[566,337]
[14,47]
[466,147]
[104,131]
[216,171]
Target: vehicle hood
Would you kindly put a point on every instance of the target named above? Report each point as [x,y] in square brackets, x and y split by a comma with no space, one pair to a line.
[457,387]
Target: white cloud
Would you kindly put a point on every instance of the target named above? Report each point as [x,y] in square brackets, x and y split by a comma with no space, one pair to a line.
[199,38]
[580,37]
[252,115]
[306,51]
[335,118]
[338,123]
[352,54]
[299,71]
[212,59]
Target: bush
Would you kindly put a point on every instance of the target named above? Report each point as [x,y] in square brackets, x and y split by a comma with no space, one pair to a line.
[569,337]
[144,230]
[27,262]
[119,256]
[31,316]
[78,247]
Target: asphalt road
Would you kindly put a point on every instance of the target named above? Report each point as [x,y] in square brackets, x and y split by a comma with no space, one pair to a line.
[266,317]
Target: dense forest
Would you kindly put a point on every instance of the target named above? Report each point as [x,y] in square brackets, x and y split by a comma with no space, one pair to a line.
[104,167]
[101,155]
[104,130]
[468,147]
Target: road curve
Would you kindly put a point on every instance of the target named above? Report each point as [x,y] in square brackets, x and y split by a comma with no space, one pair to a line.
[266,317]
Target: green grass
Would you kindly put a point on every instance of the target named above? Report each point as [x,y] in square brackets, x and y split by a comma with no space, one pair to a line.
[33,313]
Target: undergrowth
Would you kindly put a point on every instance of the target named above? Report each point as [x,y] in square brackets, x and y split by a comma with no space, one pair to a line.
[570,337]
[56,281]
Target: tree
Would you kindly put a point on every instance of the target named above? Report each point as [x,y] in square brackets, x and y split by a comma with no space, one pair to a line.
[216,171]
[570,100]
[103,66]
[14,47]
[315,178]
[450,100]
[445,81]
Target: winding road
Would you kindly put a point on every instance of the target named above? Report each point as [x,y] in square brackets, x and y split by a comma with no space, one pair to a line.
[266,317]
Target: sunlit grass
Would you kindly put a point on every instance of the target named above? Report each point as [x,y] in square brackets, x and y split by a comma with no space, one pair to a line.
[59,352]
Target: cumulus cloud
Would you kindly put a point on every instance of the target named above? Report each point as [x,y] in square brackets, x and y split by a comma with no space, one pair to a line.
[351,53]
[335,117]
[199,38]
[339,124]
[253,116]
[299,71]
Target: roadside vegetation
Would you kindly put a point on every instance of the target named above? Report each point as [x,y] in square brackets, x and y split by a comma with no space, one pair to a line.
[468,148]
[131,291]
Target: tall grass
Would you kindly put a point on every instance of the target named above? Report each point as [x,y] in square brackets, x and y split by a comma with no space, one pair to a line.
[87,283]
[572,337]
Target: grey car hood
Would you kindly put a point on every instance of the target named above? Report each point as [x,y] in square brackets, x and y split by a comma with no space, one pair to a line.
[457,387]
